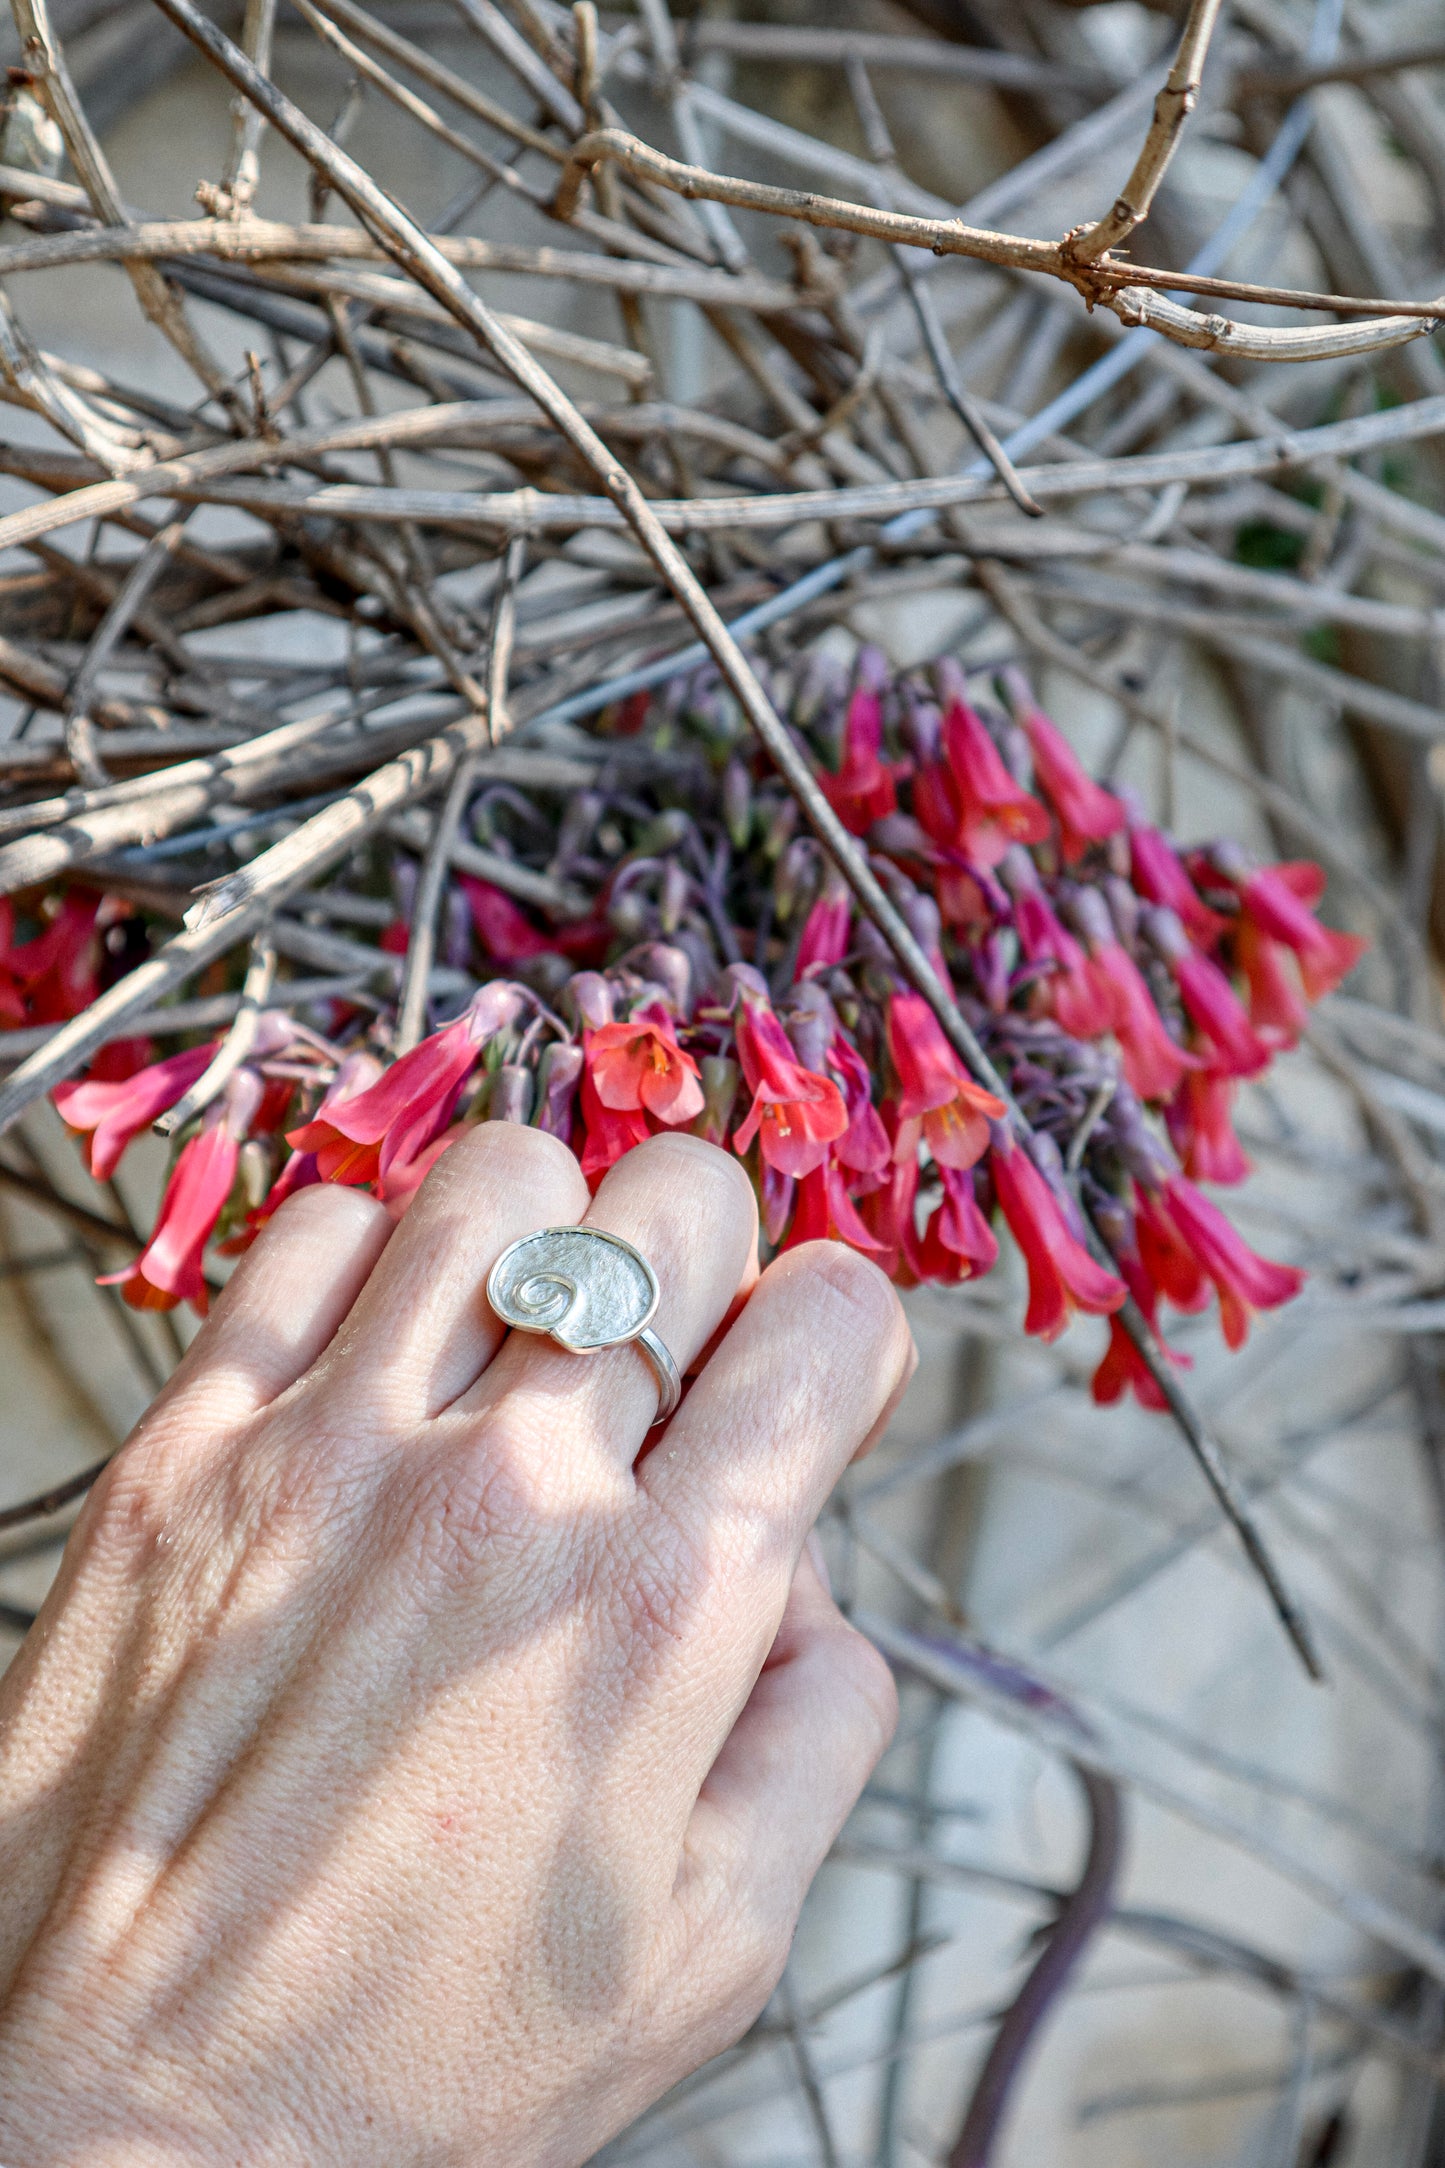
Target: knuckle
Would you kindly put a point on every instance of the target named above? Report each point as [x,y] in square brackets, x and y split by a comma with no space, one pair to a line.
[275,1502]
[848,1284]
[874,1689]
[659,1583]
[463,1510]
[508,1153]
[759,1955]
[326,1211]
[704,1163]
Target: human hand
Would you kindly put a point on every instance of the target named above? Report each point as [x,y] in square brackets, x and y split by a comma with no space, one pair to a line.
[400,1770]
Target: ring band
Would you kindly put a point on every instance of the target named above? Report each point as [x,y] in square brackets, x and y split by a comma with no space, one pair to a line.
[587,1290]
[664,1369]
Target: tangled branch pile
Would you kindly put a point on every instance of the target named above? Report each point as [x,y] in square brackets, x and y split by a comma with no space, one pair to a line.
[420,713]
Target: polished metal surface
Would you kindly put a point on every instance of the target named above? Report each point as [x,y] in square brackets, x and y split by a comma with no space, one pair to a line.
[586,1288]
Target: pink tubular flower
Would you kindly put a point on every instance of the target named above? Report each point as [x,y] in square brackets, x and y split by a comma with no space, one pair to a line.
[826,931]
[1087,813]
[1231,1045]
[1063,1277]
[608,1132]
[54,976]
[863,790]
[399,1185]
[1123,1368]
[796,1114]
[1243,1281]
[970,802]
[1201,1130]
[1080,996]
[168,1269]
[1278,1010]
[1153,1064]
[362,1138]
[1277,900]
[639,1064]
[1160,876]
[826,1213]
[114,1114]
[864,1147]
[503,927]
[958,1243]
[936,1094]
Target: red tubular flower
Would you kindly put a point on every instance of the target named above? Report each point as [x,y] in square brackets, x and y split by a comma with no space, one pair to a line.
[1160,875]
[399,1185]
[639,1064]
[1201,1130]
[1277,1008]
[863,790]
[1123,1368]
[1231,1045]
[1079,994]
[1153,1064]
[970,801]
[826,932]
[503,927]
[888,1213]
[168,1269]
[1063,1277]
[864,1147]
[56,972]
[1169,1264]
[114,1114]
[826,1213]
[1243,1281]
[508,935]
[1276,901]
[958,1243]
[796,1114]
[1087,813]
[361,1139]
[936,1093]
[607,1132]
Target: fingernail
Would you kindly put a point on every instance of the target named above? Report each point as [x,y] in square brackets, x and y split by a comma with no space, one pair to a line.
[813,1545]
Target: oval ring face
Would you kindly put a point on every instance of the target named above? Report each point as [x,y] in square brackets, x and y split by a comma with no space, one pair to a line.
[587,1289]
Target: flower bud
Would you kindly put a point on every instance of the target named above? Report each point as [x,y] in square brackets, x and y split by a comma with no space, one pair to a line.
[629,914]
[510,1099]
[676,887]
[922,727]
[589,994]
[740,979]
[575,830]
[780,827]
[671,970]
[1087,912]
[255,1172]
[794,871]
[737,802]
[558,1075]
[665,832]
[495,1009]
[812,1026]
[721,1077]
[1123,905]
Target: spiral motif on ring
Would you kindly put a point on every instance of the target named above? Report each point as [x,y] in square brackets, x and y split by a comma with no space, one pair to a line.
[550,1297]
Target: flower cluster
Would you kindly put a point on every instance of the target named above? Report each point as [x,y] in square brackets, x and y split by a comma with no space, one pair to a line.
[718,978]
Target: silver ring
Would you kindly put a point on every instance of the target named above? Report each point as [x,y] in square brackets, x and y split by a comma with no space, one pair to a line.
[587,1290]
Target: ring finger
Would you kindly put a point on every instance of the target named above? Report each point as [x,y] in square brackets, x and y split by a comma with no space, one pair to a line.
[689,1209]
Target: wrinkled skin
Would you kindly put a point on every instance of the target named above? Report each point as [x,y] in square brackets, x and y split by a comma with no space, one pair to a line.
[403,1770]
